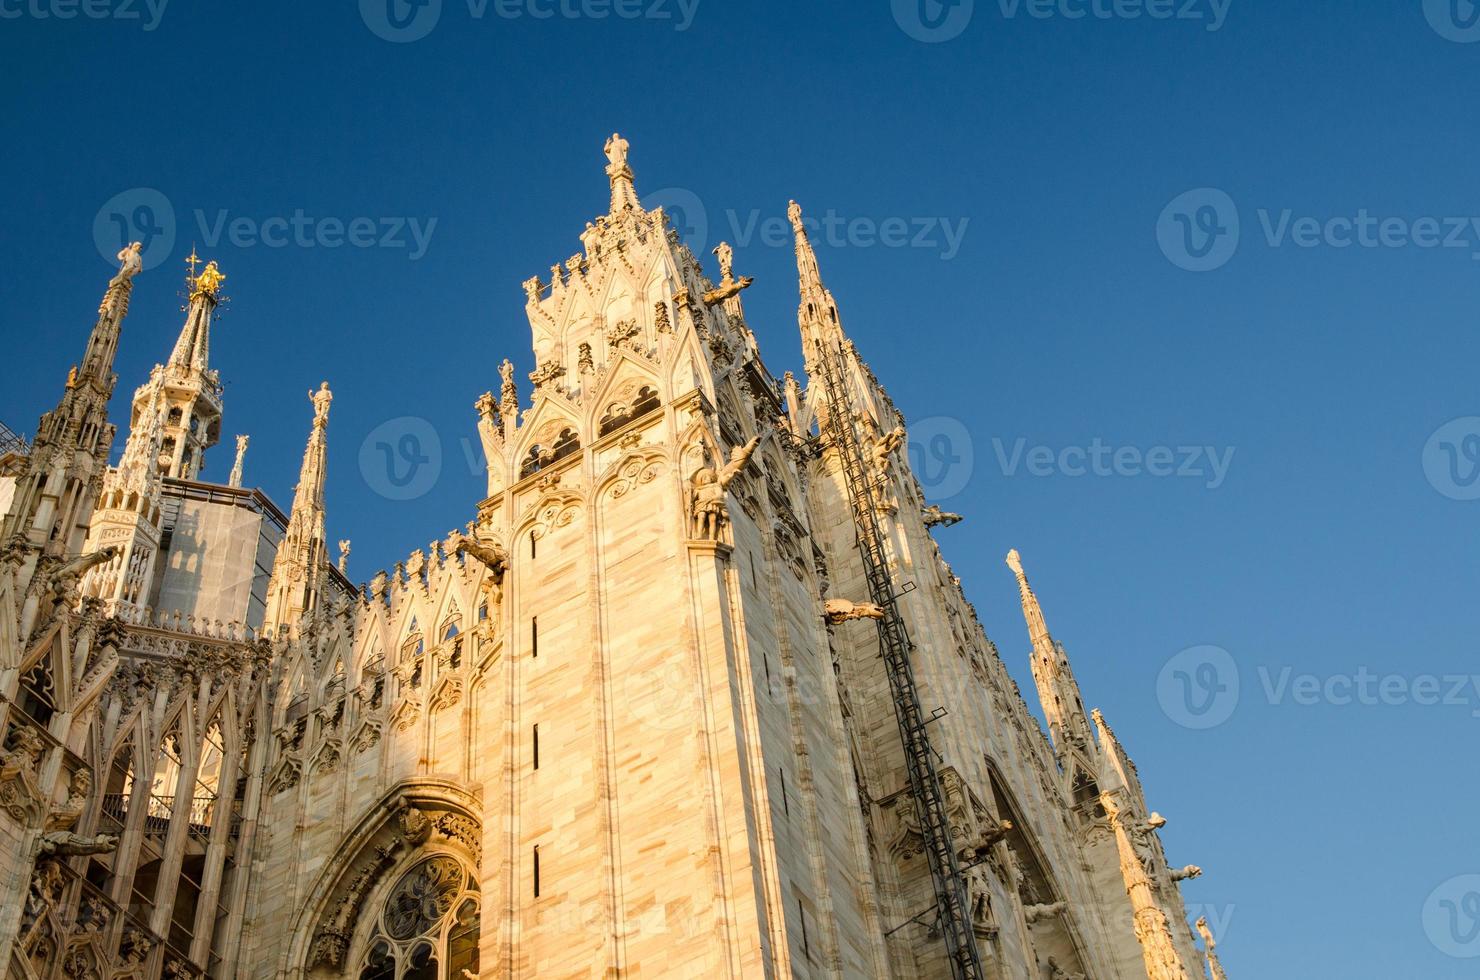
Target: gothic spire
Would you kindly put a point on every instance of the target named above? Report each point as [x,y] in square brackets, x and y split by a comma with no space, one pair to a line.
[189,391]
[1063,706]
[623,181]
[818,314]
[235,480]
[192,351]
[52,505]
[298,570]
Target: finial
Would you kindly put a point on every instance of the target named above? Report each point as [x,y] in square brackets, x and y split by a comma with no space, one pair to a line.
[130,263]
[207,284]
[321,400]
[726,260]
[1015,562]
[235,480]
[624,189]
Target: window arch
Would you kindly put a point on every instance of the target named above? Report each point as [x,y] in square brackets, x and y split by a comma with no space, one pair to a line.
[427,929]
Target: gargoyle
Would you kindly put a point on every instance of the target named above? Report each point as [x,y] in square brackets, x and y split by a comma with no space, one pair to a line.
[935,517]
[839,611]
[489,553]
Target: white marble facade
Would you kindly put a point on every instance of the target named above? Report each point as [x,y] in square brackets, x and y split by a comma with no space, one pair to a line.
[629,720]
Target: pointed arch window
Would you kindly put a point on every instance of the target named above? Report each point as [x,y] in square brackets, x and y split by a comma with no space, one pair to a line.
[428,927]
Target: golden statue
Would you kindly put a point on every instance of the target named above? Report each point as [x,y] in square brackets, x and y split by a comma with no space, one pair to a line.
[208,283]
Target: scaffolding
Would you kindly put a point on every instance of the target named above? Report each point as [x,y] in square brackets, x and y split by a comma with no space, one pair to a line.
[10,443]
[952,907]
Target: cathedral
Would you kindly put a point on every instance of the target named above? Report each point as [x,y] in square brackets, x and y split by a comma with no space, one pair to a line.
[691,693]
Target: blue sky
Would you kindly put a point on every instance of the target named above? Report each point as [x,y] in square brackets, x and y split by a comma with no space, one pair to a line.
[1058,315]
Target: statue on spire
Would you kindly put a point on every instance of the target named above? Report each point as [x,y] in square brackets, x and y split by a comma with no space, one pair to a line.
[321,400]
[624,190]
[131,263]
[616,152]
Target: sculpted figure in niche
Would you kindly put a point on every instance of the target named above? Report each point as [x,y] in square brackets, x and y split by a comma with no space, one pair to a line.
[710,488]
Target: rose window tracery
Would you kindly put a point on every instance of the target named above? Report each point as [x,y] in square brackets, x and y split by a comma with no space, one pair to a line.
[428,925]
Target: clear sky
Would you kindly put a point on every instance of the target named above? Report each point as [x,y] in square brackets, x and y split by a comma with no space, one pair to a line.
[1040,324]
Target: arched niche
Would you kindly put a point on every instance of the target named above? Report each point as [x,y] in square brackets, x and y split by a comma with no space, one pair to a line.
[400,901]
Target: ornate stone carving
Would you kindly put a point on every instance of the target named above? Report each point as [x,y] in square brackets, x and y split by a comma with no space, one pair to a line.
[935,517]
[710,487]
[839,611]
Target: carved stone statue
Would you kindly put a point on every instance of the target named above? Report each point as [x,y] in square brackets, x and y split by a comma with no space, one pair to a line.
[62,580]
[509,392]
[131,263]
[1035,913]
[887,445]
[839,611]
[321,399]
[726,254]
[711,486]
[344,547]
[1187,873]
[616,152]
[57,838]
[489,553]
[935,517]
[1210,949]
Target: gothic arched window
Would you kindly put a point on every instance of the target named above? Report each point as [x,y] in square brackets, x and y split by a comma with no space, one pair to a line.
[428,927]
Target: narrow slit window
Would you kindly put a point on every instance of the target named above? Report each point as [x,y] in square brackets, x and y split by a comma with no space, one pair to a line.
[534,636]
[806,946]
[536,746]
[533,545]
[785,804]
[537,871]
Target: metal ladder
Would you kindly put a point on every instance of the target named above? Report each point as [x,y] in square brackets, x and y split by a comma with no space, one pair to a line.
[952,905]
